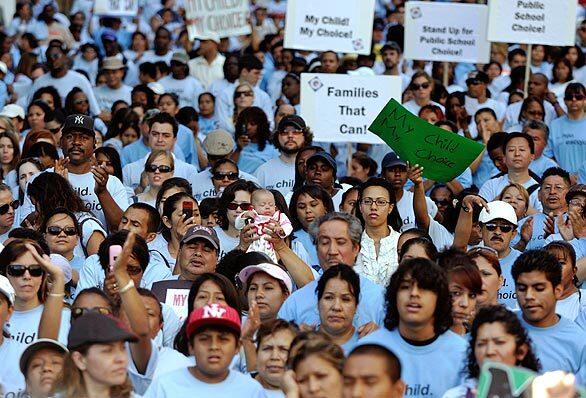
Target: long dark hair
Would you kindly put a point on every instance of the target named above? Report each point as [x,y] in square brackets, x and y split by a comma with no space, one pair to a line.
[512,326]
[169,207]
[181,343]
[429,276]
[316,192]
[393,219]
[228,196]
[50,190]
[258,116]
[114,157]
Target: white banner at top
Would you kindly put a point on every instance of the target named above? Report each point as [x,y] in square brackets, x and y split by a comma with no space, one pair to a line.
[225,18]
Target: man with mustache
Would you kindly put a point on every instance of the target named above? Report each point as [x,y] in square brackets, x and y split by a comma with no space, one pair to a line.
[533,230]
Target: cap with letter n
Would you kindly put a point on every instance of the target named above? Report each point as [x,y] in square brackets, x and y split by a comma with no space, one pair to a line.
[213,315]
[79,123]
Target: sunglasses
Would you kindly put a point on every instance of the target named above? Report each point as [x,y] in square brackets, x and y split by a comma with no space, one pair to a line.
[220,176]
[79,311]
[474,82]
[504,228]
[442,202]
[577,97]
[18,270]
[55,231]
[151,168]
[238,94]
[80,101]
[244,206]
[416,87]
[4,208]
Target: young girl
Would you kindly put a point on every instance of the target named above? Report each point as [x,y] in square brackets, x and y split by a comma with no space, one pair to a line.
[264,210]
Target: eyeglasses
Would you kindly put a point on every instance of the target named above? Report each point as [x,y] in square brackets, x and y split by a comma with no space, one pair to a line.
[151,168]
[416,87]
[504,228]
[238,94]
[577,97]
[80,101]
[442,202]
[55,231]
[79,311]
[220,176]
[244,206]
[4,207]
[294,132]
[379,202]
[18,270]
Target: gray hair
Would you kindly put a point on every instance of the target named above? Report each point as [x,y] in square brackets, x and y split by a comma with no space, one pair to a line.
[354,225]
[537,125]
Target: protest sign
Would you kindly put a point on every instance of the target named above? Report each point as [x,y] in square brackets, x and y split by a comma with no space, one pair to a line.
[225,18]
[335,25]
[174,293]
[550,22]
[442,154]
[116,8]
[339,108]
[459,35]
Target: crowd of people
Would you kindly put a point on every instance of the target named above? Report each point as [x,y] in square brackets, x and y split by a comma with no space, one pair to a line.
[170,226]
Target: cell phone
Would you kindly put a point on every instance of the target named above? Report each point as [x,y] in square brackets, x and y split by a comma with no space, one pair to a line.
[188,209]
[114,252]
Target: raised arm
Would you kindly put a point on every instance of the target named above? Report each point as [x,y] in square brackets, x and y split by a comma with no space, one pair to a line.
[464,225]
[422,219]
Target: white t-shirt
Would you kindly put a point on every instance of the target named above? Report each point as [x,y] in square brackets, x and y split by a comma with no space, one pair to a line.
[492,188]
[106,96]
[499,108]
[188,90]
[405,207]
[571,306]
[24,326]
[131,172]
[202,186]
[276,174]
[227,243]
[12,382]
[181,383]
[414,108]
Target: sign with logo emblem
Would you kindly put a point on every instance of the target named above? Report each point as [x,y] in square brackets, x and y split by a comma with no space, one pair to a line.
[339,108]
[334,25]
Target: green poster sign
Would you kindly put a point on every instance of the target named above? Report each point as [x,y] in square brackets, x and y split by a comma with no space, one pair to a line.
[442,154]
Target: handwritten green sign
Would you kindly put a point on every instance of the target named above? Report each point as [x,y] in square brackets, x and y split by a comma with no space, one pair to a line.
[442,154]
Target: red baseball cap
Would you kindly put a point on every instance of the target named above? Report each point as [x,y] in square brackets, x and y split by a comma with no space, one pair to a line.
[213,315]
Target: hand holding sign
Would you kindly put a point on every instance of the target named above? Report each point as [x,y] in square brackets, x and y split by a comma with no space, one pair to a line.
[443,155]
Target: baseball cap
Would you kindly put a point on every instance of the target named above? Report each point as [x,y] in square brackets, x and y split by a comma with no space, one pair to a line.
[12,110]
[112,63]
[38,345]
[201,232]
[292,120]
[95,328]
[272,269]
[157,88]
[6,289]
[218,143]
[109,34]
[180,57]
[576,190]
[3,67]
[391,159]
[498,210]
[477,75]
[326,157]
[62,262]
[391,45]
[151,113]
[213,315]
[212,36]
[81,123]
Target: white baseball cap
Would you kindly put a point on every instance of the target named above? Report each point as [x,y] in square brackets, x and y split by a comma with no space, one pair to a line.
[6,289]
[12,110]
[498,210]
[272,269]
[213,36]
[3,67]
[157,88]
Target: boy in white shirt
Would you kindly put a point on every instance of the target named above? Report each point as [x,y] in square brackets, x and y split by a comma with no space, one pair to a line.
[214,334]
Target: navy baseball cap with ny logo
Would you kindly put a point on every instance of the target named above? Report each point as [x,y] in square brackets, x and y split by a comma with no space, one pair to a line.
[79,123]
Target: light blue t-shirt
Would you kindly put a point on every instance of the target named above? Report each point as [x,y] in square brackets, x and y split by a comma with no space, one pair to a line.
[537,240]
[251,157]
[485,170]
[138,150]
[567,143]
[301,306]
[507,295]
[542,163]
[559,347]
[429,370]
[306,240]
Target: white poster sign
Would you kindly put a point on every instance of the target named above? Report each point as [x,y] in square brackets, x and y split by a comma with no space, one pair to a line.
[116,8]
[336,25]
[177,299]
[549,22]
[225,18]
[339,108]
[447,32]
